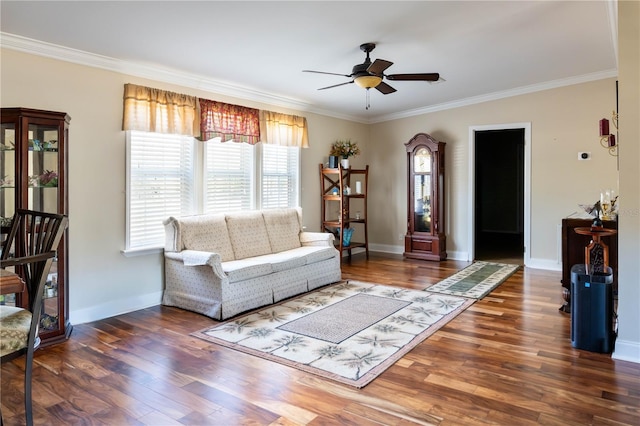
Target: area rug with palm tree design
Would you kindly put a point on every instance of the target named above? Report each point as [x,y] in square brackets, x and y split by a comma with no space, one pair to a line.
[349,332]
[476,280]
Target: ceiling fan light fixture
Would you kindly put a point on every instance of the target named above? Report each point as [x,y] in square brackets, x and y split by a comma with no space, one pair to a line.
[368,81]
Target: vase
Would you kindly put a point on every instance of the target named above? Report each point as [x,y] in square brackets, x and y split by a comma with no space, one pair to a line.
[345,163]
[346,236]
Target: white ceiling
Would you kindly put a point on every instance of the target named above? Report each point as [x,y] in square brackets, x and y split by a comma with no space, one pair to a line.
[257,50]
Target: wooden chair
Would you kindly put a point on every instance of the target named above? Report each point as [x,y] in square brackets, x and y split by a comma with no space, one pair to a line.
[30,248]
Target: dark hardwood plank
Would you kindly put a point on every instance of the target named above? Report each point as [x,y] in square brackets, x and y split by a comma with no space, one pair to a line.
[506,360]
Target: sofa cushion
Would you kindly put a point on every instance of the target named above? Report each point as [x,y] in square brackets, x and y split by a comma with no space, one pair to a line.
[207,233]
[248,234]
[314,254]
[283,228]
[246,269]
[296,257]
[283,261]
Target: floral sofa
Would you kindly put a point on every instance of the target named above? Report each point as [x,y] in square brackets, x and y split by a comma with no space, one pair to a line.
[222,264]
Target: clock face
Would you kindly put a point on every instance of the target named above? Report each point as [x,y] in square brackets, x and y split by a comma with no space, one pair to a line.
[422,161]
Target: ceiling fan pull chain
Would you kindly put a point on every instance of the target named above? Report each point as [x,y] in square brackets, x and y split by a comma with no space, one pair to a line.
[368,103]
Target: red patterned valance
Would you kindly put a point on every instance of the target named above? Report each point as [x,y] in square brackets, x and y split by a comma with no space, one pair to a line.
[228,121]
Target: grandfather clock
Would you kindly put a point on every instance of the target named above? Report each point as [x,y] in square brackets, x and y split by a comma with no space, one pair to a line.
[425,238]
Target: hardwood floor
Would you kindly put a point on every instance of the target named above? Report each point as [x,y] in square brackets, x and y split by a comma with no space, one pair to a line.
[506,360]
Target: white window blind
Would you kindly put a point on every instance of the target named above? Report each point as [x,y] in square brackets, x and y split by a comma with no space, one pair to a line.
[280,175]
[229,177]
[172,175]
[160,184]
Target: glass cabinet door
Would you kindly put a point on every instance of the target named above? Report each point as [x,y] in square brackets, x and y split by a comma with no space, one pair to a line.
[7,174]
[7,188]
[43,173]
[43,168]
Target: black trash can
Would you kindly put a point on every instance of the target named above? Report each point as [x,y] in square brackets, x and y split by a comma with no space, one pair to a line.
[592,314]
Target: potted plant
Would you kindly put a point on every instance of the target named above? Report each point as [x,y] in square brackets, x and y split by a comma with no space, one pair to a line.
[344,149]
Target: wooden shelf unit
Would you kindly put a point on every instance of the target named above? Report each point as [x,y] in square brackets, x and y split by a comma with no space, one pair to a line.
[352,207]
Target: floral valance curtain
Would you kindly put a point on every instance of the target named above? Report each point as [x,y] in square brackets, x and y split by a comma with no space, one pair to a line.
[227,122]
[159,111]
[283,129]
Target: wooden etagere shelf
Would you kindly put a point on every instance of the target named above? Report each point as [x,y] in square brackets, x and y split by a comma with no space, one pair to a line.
[344,206]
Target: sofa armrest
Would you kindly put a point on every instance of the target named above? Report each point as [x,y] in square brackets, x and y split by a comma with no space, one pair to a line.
[316,239]
[195,258]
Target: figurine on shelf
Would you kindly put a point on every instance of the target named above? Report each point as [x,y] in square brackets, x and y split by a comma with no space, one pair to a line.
[597,222]
[49,146]
[35,145]
[10,147]
[47,179]
[6,181]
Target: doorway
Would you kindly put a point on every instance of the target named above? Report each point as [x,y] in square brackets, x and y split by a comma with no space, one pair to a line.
[499,183]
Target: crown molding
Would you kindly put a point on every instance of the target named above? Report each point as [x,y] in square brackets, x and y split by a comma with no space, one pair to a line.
[154,72]
[172,76]
[554,84]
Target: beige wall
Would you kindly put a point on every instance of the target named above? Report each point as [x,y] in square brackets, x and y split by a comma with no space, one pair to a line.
[564,121]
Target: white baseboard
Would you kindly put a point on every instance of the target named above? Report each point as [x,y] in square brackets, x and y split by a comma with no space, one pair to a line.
[113,308]
[626,350]
[547,264]
[386,248]
[458,255]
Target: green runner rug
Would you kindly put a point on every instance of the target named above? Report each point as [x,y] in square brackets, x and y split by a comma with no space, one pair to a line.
[476,280]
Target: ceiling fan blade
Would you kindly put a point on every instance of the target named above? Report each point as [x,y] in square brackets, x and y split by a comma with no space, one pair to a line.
[378,66]
[384,88]
[434,76]
[330,73]
[336,85]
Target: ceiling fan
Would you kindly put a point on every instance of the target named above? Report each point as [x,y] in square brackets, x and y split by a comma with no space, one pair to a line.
[369,75]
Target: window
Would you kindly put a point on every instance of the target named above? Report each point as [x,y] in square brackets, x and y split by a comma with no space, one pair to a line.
[229,177]
[172,175]
[280,176]
[240,176]
[160,172]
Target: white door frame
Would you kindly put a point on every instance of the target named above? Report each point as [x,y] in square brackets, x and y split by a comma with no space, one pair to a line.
[527,184]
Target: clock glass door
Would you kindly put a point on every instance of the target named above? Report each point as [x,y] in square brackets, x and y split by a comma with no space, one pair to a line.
[422,191]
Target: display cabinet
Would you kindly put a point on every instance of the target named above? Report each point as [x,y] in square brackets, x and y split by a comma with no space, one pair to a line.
[33,173]
[425,238]
[344,206]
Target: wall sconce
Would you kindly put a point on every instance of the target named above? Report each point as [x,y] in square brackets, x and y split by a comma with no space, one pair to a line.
[607,139]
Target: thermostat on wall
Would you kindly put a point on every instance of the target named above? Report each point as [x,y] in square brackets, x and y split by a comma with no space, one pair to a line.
[584,156]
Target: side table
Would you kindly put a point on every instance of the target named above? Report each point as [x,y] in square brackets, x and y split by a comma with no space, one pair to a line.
[596,256]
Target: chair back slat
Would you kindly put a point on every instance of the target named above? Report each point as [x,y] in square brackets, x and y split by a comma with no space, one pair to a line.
[33,233]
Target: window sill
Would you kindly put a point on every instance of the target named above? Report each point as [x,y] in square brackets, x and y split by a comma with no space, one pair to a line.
[141,251]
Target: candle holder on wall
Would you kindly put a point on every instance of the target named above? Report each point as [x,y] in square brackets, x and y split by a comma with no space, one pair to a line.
[608,139]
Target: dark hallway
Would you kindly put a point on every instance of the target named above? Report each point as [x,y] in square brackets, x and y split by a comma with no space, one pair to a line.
[499,195]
